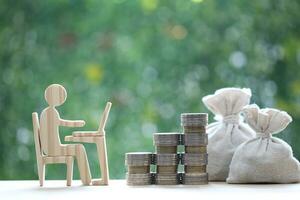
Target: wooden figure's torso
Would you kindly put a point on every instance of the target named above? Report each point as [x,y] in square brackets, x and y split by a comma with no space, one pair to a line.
[49,131]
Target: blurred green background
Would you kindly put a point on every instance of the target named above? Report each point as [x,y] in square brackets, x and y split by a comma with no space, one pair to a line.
[152,59]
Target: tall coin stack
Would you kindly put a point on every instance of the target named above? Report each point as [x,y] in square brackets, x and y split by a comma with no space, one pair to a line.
[166,158]
[138,165]
[195,141]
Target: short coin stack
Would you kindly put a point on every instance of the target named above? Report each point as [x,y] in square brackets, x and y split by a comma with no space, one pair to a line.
[166,158]
[138,168]
[195,142]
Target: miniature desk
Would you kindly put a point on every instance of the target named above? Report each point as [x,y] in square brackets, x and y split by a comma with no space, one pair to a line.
[102,155]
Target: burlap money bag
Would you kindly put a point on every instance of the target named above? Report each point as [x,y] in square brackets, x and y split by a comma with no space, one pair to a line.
[264,159]
[228,131]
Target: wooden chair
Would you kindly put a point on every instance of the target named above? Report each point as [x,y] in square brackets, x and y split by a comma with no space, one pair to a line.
[43,160]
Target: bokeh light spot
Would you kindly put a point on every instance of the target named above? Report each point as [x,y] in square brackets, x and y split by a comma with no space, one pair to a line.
[197,1]
[23,136]
[23,152]
[149,5]
[94,72]
[238,59]
[295,87]
[148,129]
[178,32]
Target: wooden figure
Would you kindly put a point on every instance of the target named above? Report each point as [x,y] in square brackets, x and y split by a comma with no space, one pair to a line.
[97,137]
[47,142]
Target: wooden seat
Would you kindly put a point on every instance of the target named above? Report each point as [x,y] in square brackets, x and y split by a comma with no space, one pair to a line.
[43,159]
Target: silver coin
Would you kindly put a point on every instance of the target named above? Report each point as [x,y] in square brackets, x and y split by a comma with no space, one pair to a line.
[194,119]
[138,169]
[198,130]
[166,159]
[193,159]
[195,179]
[138,158]
[194,169]
[195,149]
[196,123]
[166,169]
[194,115]
[166,139]
[195,139]
[138,179]
[166,149]
[167,179]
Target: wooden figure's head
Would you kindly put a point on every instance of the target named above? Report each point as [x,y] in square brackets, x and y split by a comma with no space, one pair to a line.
[55,95]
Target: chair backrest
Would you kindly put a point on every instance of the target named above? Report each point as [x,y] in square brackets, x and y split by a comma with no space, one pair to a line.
[104,117]
[36,133]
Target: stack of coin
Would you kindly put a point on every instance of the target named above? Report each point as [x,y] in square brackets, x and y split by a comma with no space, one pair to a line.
[166,142]
[166,158]
[138,164]
[195,142]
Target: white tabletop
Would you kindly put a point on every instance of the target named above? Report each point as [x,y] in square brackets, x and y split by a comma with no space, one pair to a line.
[119,190]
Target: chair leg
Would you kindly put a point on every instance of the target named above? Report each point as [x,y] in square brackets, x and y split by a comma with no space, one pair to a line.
[70,161]
[41,173]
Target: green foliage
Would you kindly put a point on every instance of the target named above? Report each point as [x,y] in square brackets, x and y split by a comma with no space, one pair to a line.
[153,59]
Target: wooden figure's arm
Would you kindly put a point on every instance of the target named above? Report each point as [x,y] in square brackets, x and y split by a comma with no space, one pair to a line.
[71,123]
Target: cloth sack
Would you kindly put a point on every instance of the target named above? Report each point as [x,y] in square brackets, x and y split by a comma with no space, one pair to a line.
[228,131]
[264,159]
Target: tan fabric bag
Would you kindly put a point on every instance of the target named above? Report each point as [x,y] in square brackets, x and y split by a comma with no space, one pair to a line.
[229,130]
[264,159]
